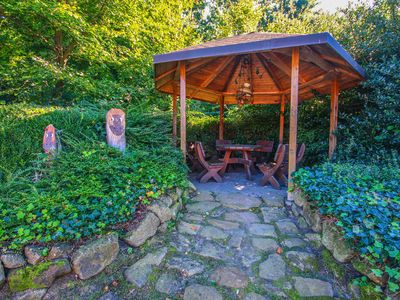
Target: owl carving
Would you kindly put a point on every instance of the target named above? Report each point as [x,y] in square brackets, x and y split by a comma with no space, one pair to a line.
[115,128]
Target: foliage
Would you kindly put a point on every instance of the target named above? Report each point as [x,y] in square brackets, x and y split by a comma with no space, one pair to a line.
[68,51]
[365,201]
[89,187]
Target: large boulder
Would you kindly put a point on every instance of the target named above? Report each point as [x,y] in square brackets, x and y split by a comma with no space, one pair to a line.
[161,210]
[39,276]
[33,254]
[12,260]
[334,241]
[91,258]
[146,228]
[30,295]
[312,217]
[299,197]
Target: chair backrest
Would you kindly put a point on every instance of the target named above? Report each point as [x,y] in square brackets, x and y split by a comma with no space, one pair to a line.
[280,154]
[266,146]
[300,153]
[201,155]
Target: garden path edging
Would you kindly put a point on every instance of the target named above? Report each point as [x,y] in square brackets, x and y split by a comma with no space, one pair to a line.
[30,271]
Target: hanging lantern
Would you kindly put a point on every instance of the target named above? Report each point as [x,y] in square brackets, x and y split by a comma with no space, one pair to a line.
[244,93]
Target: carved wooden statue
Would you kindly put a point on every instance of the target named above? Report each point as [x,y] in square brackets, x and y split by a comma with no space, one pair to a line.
[49,140]
[115,127]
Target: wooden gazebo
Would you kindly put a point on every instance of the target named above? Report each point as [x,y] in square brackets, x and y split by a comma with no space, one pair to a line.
[278,69]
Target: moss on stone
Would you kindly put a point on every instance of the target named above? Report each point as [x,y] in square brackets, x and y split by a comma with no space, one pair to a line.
[332,265]
[24,278]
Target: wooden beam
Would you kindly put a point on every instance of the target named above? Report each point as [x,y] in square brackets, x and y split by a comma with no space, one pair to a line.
[182,96]
[280,64]
[231,73]
[221,67]
[221,118]
[333,117]
[294,100]
[270,72]
[316,80]
[309,55]
[174,117]
[281,119]
[165,73]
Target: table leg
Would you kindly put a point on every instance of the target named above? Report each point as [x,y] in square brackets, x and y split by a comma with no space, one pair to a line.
[226,161]
[247,166]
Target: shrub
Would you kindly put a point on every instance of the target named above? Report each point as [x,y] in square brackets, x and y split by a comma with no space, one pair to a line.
[365,200]
[89,187]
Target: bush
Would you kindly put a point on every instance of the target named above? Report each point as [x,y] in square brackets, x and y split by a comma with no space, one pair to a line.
[365,201]
[89,187]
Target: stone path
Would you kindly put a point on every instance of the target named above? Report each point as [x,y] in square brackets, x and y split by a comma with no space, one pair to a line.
[235,240]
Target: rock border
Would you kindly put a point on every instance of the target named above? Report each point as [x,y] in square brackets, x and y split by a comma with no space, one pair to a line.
[331,236]
[32,271]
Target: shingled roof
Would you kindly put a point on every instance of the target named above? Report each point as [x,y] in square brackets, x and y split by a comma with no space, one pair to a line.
[213,66]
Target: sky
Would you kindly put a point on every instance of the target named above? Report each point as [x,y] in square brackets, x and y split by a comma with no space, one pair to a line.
[331,5]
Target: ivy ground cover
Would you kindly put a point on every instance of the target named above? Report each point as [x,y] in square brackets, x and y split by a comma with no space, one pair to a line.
[365,202]
[89,187]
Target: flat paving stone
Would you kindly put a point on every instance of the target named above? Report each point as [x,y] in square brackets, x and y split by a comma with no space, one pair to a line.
[202,207]
[254,296]
[210,249]
[273,268]
[189,228]
[273,214]
[239,201]
[169,284]
[293,243]
[287,226]
[185,265]
[226,225]
[211,232]
[236,239]
[262,230]
[201,292]
[274,200]
[308,287]
[302,260]
[193,217]
[263,244]
[242,217]
[231,277]
[203,196]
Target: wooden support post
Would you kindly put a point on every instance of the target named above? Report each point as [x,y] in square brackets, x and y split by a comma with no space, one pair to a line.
[182,96]
[282,119]
[294,101]
[334,117]
[174,116]
[221,118]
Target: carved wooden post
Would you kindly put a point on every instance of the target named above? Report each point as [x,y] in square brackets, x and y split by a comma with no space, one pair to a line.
[49,140]
[115,128]
[333,117]
[221,118]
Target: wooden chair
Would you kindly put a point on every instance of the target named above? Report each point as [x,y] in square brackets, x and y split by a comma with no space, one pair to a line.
[270,169]
[266,147]
[283,171]
[194,163]
[210,169]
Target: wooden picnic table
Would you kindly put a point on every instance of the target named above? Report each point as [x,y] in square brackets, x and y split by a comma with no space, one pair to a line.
[245,160]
